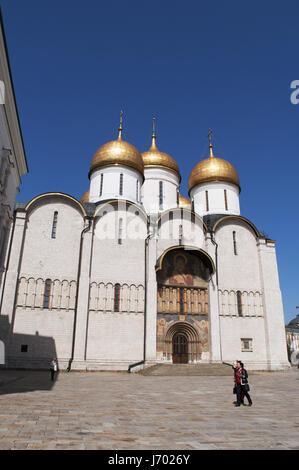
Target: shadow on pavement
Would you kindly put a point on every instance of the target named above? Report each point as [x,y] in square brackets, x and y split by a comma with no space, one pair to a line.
[22,381]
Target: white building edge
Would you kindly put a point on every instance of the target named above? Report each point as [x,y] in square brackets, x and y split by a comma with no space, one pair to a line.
[135,274]
[13,164]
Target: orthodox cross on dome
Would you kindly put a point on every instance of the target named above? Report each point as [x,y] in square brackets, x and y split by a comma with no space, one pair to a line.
[153,146]
[210,143]
[120,129]
[154,131]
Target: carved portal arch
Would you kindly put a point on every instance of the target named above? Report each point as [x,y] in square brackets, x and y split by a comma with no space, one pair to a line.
[182,343]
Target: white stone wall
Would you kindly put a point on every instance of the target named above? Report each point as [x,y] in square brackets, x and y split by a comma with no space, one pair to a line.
[35,257]
[151,191]
[214,191]
[115,338]
[252,271]
[179,227]
[44,256]
[110,186]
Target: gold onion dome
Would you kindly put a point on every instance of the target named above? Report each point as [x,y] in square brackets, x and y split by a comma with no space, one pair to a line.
[85,197]
[184,202]
[117,152]
[213,169]
[153,157]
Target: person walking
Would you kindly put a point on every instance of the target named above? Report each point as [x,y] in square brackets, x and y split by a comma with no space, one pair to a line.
[245,386]
[234,366]
[53,368]
[238,385]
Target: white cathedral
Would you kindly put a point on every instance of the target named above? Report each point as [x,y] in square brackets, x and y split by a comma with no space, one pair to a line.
[134,274]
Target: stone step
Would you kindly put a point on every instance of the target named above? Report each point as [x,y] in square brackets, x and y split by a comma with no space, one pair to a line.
[202,369]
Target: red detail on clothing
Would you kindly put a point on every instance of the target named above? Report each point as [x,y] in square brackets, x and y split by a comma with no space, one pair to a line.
[238,375]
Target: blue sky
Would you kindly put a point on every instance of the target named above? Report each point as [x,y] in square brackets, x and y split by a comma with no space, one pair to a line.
[194,65]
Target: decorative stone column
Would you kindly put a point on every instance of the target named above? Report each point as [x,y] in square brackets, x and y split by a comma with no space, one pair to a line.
[215,333]
[151,302]
[273,309]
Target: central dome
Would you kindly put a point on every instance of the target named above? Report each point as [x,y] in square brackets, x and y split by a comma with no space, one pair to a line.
[213,169]
[117,152]
[184,202]
[153,157]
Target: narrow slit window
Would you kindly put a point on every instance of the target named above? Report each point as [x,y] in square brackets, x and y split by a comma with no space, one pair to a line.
[54,224]
[178,197]
[101,184]
[235,243]
[180,235]
[161,195]
[239,303]
[137,190]
[121,184]
[120,231]
[207,201]
[47,293]
[225,200]
[116,297]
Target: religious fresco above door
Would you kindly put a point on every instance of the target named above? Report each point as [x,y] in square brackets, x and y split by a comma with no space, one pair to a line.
[181,268]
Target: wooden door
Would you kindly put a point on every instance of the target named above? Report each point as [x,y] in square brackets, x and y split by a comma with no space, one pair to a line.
[179,349]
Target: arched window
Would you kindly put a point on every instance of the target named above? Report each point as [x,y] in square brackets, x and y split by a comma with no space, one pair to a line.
[180,234]
[101,184]
[160,194]
[120,231]
[54,224]
[207,201]
[235,243]
[225,200]
[47,293]
[121,184]
[239,303]
[116,297]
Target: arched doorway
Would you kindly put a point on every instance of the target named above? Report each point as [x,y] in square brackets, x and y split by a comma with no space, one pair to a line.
[179,349]
[182,343]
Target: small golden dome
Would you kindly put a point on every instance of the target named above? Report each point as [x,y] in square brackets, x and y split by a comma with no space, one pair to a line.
[85,197]
[117,152]
[213,169]
[184,202]
[153,157]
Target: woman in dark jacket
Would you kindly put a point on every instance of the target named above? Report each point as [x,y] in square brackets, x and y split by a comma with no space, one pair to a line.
[245,386]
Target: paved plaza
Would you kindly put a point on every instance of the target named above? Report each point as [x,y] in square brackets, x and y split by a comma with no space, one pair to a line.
[120,411]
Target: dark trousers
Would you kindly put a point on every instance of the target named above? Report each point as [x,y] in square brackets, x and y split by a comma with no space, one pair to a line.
[52,374]
[244,393]
[239,394]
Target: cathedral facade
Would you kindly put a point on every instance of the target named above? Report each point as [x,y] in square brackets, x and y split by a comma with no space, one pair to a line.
[134,274]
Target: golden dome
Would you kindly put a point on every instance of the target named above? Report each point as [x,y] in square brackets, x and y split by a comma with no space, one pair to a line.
[117,152]
[153,157]
[184,202]
[85,197]
[213,169]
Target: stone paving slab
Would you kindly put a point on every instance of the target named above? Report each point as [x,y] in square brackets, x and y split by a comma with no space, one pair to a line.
[119,411]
